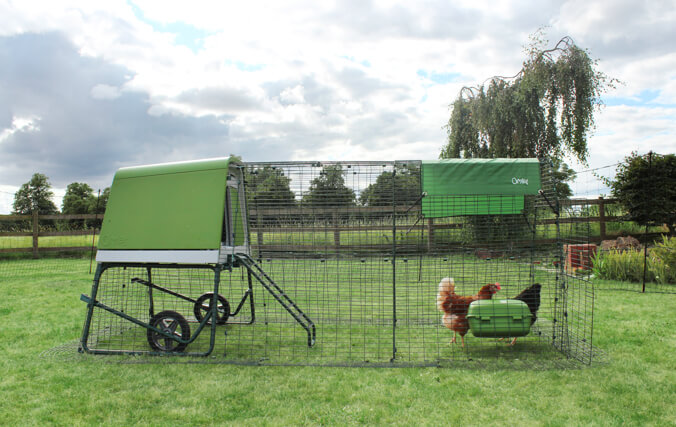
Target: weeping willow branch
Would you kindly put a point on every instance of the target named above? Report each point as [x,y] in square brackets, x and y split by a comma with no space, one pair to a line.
[545,110]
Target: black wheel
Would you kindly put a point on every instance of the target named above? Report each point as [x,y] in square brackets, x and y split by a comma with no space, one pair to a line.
[172,323]
[202,304]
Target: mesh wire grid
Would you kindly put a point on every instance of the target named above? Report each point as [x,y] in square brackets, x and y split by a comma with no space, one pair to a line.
[348,244]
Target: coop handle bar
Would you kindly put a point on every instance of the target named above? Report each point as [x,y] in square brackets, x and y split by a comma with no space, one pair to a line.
[88,300]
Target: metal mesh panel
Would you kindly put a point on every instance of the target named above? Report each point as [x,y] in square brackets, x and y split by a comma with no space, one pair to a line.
[126,290]
[345,270]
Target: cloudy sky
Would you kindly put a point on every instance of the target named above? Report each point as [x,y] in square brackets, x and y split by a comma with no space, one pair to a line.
[87,87]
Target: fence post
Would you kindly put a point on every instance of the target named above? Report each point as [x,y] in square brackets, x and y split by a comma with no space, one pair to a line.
[602,218]
[36,229]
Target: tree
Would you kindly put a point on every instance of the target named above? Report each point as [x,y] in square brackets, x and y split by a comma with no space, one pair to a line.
[646,187]
[269,187]
[406,184]
[329,189]
[546,110]
[98,203]
[78,199]
[34,195]
[562,174]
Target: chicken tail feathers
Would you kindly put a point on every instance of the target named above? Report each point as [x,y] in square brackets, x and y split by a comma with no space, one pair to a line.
[446,289]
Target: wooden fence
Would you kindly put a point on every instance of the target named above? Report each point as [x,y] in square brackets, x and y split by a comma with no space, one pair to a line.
[36,233]
[333,225]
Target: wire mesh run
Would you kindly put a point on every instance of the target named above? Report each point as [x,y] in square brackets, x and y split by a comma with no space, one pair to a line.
[352,270]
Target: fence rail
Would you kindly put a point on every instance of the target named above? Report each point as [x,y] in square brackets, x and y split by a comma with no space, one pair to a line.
[333,226]
[36,233]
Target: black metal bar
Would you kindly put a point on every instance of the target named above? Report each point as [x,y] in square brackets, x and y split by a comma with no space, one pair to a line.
[151,308]
[161,289]
[394,266]
[247,294]
[241,303]
[251,297]
[645,258]
[100,268]
[645,240]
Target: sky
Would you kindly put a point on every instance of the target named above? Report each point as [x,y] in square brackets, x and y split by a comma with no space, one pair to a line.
[87,87]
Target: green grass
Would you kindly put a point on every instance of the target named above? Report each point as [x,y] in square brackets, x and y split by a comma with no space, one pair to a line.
[41,310]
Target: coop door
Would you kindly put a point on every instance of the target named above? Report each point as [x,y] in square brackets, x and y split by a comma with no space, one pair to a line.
[234,227]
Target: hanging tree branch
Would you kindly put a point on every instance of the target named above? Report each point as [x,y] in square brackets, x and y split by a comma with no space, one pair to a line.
[544,110]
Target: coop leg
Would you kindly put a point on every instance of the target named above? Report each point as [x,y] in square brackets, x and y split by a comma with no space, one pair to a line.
[100,268]
[151,305]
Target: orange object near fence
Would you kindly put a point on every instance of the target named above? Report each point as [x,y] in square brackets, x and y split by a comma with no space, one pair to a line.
[579,257]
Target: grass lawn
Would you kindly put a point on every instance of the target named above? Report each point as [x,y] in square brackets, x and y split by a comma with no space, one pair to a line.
[635,386]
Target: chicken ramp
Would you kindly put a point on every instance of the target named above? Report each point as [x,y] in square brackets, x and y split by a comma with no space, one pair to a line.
[278,294]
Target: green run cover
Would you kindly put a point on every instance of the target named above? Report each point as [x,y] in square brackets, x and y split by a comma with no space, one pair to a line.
[478,186]
[167,206]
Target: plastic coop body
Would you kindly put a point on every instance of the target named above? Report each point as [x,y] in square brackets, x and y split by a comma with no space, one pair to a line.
[185,213]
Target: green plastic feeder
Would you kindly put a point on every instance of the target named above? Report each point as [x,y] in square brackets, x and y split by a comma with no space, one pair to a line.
[499,318]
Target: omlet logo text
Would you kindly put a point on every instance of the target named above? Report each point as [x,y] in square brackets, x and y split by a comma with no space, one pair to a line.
[523,181]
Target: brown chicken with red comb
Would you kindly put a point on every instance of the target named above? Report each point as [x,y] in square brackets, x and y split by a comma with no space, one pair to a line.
[455,306]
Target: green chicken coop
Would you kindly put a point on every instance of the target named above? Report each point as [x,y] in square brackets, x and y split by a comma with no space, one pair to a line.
[338,263]
[169,232]
[184,213]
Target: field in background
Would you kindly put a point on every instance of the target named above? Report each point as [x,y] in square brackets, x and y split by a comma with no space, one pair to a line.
[43,383]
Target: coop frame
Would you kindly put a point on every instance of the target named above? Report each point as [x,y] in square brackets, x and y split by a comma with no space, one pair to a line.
[220,241]
[398,252]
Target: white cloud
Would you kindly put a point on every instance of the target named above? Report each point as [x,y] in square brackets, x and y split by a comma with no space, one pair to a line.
[7,198]
[322,80]
[20,124]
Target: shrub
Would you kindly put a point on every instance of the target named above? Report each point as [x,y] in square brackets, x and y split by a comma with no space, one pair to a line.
[663,257]
[628,265]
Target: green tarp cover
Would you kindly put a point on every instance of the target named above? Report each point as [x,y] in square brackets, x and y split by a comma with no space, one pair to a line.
[175,206]
[478,186]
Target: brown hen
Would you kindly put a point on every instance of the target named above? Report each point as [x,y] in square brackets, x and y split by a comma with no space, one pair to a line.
[455,306]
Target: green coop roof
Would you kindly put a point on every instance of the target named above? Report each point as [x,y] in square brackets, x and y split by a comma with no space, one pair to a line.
[173,206]
[478,186]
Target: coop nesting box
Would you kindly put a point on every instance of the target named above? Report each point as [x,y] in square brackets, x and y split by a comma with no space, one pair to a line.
[499,318]
[188,213]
